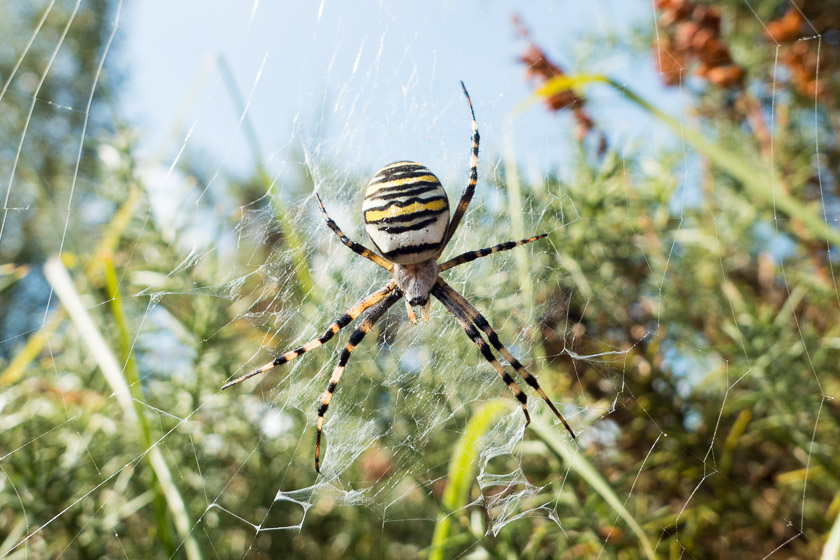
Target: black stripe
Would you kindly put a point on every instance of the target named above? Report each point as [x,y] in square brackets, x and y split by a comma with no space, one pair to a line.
[466,257]
[344,357]
[331,387]
[530,380]
[401,172]
[485,351]
[411,250]
[517,365]
[413,174]
[406,202]
[402,188]
[412,227]
[359,333]
[408,217]
[521,397]
[410,189]
[322,409]
[482,323]
[342,322]
[405,186]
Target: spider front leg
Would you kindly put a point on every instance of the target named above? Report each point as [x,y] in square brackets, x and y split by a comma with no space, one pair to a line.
[360,307]
[478,319]
[470,256]
[355,247]
[467,195]
[460,315]
[364,327]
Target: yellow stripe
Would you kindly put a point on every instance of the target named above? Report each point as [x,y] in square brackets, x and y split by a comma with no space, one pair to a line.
[394,211]
[399,182]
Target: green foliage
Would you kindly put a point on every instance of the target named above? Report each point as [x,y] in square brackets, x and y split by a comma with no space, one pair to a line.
[698,344]
[40,139]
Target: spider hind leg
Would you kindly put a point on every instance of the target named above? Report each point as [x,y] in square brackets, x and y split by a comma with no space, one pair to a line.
[477,319]
[355,339]
[463,320]
[336,326]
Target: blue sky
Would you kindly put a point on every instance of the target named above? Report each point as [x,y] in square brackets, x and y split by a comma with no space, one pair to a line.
[367,83]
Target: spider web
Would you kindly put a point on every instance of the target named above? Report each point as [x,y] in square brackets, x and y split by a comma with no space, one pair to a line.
[191,186]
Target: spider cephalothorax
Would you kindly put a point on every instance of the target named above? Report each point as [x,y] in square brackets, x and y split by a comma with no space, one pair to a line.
[406,215]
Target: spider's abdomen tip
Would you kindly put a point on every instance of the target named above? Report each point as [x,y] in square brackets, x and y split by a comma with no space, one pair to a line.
[406,212]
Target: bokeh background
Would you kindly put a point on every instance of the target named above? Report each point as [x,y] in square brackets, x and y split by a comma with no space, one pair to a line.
[159,236]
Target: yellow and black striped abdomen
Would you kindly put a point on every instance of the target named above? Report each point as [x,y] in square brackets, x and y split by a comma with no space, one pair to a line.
[406,212]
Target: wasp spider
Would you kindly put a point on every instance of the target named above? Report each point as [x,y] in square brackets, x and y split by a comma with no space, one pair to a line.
[406,215]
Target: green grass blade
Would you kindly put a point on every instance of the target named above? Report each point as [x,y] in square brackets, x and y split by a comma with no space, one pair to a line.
[108,244]
[132,375]
[27,354]
[64,288]
[114,230]
[558,443]
[461,469]
[832,545]
[10,274]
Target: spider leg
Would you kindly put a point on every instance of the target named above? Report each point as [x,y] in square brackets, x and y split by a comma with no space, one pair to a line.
[473,255]
[364,327]
[463,320]
[360,307]
[356,247]
[411,316]
[467,195]
[480,322]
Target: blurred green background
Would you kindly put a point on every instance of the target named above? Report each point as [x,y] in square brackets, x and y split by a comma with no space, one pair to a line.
[683,313]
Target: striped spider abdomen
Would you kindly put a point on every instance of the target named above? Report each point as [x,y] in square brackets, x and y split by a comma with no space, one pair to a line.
[406,213]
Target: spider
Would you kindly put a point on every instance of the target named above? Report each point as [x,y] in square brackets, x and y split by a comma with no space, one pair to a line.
[406,215]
